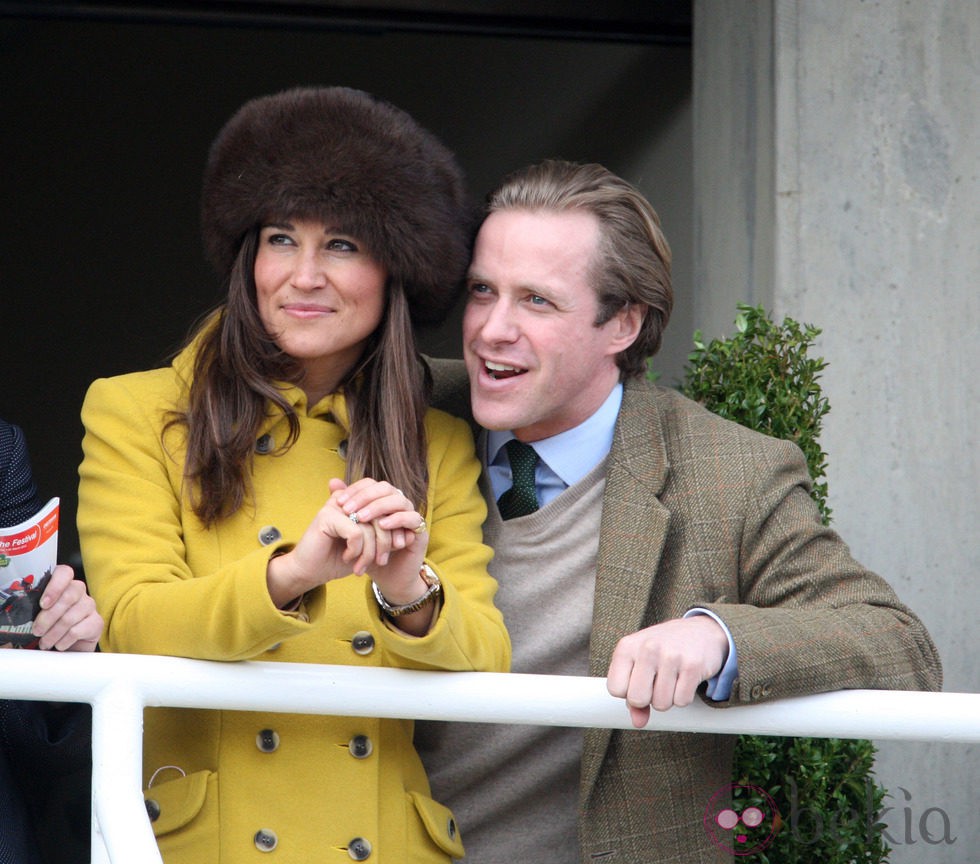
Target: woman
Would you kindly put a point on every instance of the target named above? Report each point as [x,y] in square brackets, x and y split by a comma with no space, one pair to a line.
[281,492]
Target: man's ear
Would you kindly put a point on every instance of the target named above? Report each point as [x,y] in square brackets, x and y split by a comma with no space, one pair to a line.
[625,326]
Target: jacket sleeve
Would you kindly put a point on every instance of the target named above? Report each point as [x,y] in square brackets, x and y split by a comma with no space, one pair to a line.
[132,537]
[808,617]
[469,633]
[18,494]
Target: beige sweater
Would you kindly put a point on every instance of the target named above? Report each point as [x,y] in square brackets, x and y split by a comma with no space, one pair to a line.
[514,789]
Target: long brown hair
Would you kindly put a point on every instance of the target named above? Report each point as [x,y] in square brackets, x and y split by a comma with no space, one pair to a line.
[236,384]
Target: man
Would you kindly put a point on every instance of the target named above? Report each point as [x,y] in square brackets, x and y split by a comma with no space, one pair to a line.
[669,548]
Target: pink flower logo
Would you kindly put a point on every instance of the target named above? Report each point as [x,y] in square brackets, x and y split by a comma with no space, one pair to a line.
[741,819]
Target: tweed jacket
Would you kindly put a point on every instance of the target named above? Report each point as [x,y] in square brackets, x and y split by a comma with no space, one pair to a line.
[699,511]
[240,784]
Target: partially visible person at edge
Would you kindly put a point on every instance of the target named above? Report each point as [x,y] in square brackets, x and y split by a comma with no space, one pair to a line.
[282,493]
[45,748]
[671,551]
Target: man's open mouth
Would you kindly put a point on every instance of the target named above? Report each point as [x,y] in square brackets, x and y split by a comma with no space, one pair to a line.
[501,371]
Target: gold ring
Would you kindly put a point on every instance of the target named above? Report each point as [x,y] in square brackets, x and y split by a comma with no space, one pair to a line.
[422,525]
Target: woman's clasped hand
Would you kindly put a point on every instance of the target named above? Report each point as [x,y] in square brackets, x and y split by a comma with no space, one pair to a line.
[367,527]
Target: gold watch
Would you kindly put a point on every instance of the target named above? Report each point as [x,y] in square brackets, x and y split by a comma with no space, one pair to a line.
[433,587]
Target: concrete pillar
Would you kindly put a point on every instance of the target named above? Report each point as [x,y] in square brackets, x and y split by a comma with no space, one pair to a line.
[837,181]
[734,173]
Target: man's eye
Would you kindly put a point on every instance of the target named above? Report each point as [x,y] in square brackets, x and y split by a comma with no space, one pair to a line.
[479,288]
[538,300]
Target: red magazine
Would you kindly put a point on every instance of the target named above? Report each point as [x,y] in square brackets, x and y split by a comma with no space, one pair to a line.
[28,554]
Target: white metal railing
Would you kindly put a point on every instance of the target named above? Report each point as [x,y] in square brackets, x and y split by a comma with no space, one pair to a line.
[119,686]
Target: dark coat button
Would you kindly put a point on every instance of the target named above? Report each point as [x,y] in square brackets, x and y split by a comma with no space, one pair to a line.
[269,534]
[363,642]
[152,809]
[265,840]
[360,746]
[342,449]
[359,849]
[267,740]
[264,444]
[451,828]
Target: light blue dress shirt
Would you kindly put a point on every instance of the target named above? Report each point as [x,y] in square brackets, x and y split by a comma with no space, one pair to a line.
[562,463]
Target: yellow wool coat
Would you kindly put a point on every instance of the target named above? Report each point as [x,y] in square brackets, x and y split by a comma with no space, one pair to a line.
[246,784]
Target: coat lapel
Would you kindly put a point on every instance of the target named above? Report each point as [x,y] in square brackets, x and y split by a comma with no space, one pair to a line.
[631,541]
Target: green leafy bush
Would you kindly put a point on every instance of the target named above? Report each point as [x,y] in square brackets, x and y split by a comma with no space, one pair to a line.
[762,377]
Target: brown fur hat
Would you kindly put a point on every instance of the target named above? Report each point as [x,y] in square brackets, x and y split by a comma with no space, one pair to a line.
[341,155]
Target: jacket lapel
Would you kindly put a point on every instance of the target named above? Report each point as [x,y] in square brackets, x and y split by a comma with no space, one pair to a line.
[631,541]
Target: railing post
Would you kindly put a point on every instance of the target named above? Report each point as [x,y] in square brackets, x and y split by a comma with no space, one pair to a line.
[120,826]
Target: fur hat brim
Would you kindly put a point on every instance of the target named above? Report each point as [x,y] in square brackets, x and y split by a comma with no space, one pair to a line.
[342,156]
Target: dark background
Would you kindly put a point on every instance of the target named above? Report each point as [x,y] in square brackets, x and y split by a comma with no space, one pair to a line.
[108,110]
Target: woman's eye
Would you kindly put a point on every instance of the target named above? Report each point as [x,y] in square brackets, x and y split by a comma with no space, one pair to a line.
[339,245]
[278,239]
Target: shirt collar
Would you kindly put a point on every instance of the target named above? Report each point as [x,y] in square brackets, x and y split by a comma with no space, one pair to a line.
[575,452]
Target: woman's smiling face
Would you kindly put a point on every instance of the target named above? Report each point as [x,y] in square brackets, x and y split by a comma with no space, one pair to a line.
[320,295]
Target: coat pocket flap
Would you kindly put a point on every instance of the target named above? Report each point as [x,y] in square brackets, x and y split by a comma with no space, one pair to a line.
[440,824]
[173,804]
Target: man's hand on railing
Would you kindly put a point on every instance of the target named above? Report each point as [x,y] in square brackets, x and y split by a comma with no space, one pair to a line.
[663,665]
